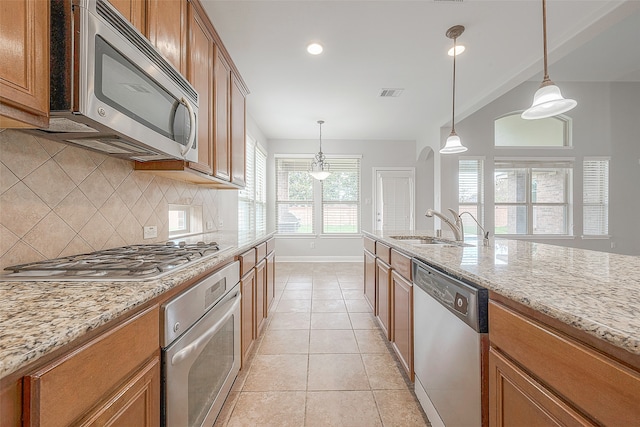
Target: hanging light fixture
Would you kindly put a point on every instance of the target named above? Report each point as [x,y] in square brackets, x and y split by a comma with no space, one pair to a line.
[453,144]
[319,167]
[548,100]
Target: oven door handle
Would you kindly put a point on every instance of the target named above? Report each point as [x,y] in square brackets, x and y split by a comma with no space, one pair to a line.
[204,338]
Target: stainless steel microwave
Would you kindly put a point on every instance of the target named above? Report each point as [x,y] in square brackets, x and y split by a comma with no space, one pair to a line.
[112,91]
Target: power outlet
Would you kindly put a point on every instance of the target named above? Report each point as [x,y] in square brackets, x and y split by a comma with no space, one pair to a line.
[220,224]
[209,225]
[150,232]
[312,245]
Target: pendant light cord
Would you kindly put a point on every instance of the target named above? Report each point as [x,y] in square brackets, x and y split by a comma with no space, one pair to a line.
[453,108]
[544,41]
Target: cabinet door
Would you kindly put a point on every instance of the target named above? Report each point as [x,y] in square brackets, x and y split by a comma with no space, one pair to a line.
[247,288]
[271,280]
[61,392]
[370,280]
[402,322]
[24,67]
[133,11]
[515,399]
[201,54]
[383,283]
[136,403]
[221,145]
[261,295]
[238,132]
[167,30]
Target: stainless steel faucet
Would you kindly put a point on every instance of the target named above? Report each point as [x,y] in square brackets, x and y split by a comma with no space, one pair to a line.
[455,226]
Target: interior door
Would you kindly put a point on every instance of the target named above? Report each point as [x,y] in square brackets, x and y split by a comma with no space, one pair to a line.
[394,199]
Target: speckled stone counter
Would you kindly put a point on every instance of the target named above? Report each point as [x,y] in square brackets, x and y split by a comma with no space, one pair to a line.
[596,292]
[37,318]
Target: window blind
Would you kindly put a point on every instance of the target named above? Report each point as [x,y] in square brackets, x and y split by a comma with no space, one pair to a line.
[595,197]
[471,193]
[341,197]
[294,196]
[260,189]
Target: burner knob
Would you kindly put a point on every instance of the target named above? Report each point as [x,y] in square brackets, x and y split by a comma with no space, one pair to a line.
[200,243]
[182,244]
[176,327]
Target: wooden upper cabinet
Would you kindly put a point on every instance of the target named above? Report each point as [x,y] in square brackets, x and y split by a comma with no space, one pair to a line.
[24,67]
[221,146]
[133,11]
[200,64]
[238,131]
[167,30]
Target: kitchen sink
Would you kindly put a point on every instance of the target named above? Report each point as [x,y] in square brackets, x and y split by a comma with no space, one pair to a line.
[424,241]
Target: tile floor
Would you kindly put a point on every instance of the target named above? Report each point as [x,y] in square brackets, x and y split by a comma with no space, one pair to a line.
[322,360]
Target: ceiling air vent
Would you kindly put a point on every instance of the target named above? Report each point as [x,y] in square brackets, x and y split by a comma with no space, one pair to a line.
[390,93]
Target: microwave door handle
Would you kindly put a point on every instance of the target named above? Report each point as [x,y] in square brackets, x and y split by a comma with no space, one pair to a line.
[204,338]
[192,128]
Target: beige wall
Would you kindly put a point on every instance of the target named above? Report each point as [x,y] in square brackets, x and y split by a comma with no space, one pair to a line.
[58,200]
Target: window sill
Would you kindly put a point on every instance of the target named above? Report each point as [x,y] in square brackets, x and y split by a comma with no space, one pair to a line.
[534,236]
[341,236]
[596,237]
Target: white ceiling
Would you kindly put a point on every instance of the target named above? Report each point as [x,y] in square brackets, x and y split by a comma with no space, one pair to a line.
[370,45]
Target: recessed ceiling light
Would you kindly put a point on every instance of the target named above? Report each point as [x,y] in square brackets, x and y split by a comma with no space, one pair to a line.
[315,48]
[459,49]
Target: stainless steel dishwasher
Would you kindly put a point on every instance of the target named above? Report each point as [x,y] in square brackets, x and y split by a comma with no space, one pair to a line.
[450,347]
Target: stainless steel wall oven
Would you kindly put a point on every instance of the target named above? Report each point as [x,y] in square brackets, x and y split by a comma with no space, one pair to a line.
[201,349]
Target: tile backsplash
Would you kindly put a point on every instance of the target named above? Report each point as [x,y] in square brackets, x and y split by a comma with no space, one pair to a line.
[58,200]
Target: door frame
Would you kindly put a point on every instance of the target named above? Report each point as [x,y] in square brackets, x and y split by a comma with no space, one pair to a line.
[412,173]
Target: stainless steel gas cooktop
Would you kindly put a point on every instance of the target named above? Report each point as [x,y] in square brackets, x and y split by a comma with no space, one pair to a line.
[133,262]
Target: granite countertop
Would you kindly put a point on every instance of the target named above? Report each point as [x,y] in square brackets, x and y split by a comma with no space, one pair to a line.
[597,292]
[37,318]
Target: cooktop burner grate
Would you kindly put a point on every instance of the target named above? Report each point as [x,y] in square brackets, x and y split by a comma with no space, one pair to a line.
[123,263]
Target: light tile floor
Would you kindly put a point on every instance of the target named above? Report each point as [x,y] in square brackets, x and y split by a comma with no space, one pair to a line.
[322,360]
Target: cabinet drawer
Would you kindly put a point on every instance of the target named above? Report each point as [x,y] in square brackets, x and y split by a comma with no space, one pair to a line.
[370,245]
[383,252]
[401,263]
[60,392]
[604,389]
[247,261]
[261,252]
[271,245]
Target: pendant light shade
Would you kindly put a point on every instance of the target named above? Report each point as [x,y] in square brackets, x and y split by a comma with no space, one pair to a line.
[319,167]
[453,145]
[548,100]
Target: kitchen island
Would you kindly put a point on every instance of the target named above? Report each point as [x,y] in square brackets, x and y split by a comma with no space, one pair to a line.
[563,321]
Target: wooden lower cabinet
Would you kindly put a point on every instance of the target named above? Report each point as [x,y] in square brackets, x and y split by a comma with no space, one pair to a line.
[271,280]
[370,280]
[383,287]
[261,296]
[247,289]
[518,400]
[539,373]
[402,323]
[113,379]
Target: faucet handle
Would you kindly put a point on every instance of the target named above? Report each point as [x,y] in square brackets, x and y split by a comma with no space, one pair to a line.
[456,216]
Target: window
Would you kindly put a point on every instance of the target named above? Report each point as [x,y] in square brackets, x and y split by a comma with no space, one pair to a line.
[532,197]
[184,219]
[514,131]
[595,197]
[308,206]
[294,196]
[471,193]
[252,199]
[341,197]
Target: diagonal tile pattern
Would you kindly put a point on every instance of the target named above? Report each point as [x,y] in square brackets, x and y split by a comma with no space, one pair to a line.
[321,361]
[58,200]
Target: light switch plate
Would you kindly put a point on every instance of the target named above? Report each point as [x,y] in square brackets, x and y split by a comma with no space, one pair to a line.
[150,232]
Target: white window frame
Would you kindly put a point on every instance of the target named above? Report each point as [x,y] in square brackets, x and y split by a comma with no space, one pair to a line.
[479,205]
[529,164]
[317,201]
[601,180]
[253,195]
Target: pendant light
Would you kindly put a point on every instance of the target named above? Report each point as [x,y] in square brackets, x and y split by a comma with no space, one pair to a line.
[453,144]
[548,100]
[319,167]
